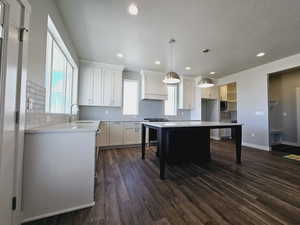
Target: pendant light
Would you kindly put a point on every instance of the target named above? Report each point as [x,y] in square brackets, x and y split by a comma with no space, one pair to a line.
[172,77]
[206,83]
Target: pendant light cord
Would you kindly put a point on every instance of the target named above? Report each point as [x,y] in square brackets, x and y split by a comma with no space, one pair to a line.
[172,52]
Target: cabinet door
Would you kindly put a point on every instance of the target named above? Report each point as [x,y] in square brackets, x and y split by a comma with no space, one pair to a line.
[205,93]
[117,89]
[116,133]
[214,92]
[154,88]
[210,93]
[223,93]
[97,87]
[86,86]
[138,134]
[132,133]
[102,139]
[108,83]
[129,136]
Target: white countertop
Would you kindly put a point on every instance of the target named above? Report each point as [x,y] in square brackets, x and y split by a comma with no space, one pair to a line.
[76,126]
[190,124]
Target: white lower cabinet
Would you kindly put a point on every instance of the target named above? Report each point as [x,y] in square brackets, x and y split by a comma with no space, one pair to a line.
[116,133]
[119,133]
[103,138]
[132,133]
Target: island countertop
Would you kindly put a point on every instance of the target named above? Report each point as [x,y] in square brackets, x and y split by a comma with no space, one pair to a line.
[190,124]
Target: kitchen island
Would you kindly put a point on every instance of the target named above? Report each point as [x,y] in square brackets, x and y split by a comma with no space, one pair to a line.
[195,135]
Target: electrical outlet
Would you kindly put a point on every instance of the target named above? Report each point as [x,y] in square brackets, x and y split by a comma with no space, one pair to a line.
[106,112]
[30,103]
[252,135]
[284,114]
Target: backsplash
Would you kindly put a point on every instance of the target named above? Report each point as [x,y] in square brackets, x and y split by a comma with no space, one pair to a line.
[35,110]
[147,109]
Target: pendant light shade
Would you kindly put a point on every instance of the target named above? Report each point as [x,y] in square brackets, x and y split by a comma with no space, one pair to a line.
[172,77]
[206,83]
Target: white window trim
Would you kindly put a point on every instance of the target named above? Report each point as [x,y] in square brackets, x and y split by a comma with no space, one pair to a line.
[56,38]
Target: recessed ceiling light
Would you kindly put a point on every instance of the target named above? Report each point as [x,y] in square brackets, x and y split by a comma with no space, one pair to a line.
[188,68]
[157,62]
[120,55]
[261,54]
[205,50]
[212,73]
[133,9]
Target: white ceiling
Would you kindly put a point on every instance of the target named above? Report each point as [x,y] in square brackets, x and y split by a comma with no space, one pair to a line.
[235,31]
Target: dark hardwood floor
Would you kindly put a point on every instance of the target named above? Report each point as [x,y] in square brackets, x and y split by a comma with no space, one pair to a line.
[265,189]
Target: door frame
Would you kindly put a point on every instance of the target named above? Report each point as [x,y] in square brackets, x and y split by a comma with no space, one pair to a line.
[268,103]
[20,106]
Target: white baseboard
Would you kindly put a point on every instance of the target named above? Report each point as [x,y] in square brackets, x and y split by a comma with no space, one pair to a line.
[58,212]
[261,147]
[290,143]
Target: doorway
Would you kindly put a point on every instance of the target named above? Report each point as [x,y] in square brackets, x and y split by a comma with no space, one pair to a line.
[284,111]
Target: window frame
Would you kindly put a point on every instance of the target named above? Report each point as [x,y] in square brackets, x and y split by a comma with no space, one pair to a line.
[175,100]
[137,94]
[69,63]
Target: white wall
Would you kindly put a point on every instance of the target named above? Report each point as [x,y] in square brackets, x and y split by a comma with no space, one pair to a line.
[38,38]
[252,98]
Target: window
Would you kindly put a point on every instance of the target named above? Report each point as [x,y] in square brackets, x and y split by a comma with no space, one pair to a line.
[171,103]
[61,74]
[130,97]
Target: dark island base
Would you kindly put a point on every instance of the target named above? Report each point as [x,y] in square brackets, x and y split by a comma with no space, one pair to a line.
[188,145]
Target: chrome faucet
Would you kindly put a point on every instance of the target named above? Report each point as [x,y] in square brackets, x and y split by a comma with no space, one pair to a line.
[71,111]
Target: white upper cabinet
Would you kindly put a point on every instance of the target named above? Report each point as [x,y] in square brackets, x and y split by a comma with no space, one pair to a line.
[97,82]
[223,93]
[108,87]
[100,84]
[210,93]
[86,82]
[153,87]
[186,93]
